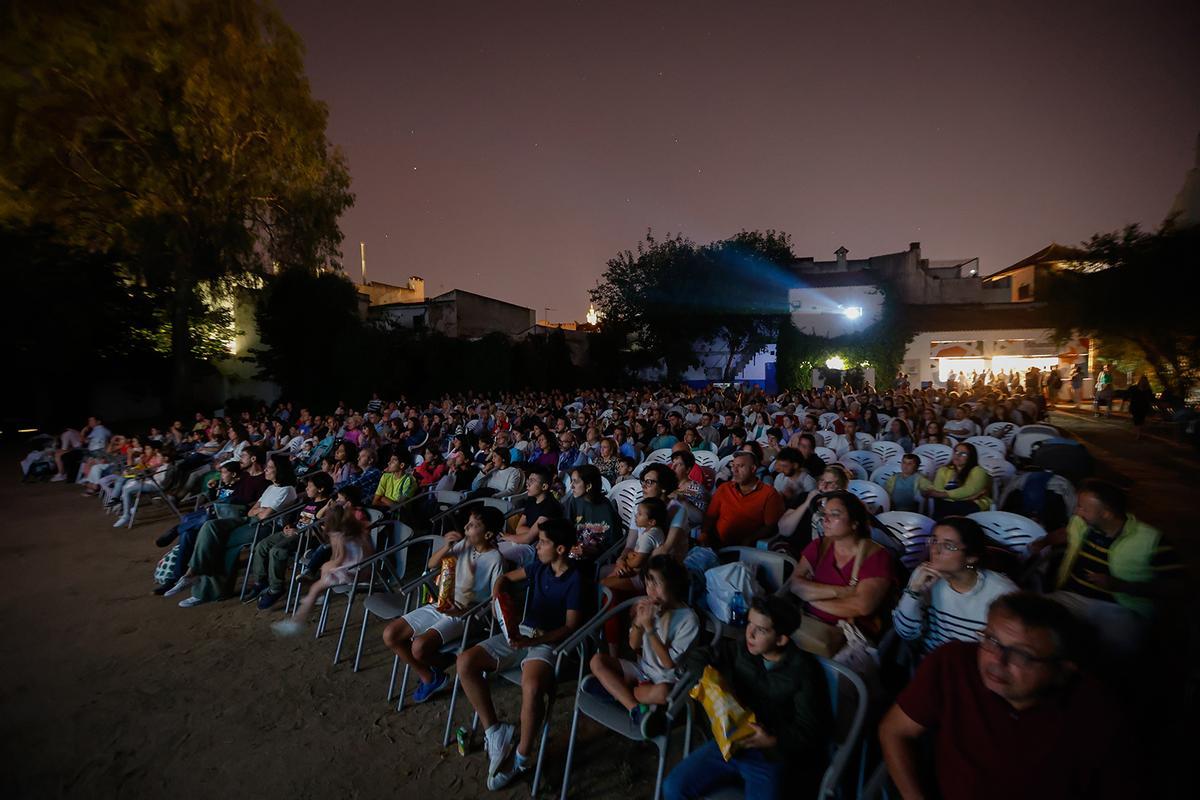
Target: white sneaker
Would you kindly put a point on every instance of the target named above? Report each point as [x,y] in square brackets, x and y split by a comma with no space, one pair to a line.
[287,627]
[179,586]
[121,522]
[498,741]
[190,601]
[504,777]
[58,478]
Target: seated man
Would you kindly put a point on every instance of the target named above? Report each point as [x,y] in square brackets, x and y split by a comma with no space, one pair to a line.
[786,689]
[555,609]
[849,440]
[1011,716]
[792,481]
[960,427]
[742,510]
[1114,567]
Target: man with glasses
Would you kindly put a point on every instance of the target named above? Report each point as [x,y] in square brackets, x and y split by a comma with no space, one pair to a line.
[1010,716]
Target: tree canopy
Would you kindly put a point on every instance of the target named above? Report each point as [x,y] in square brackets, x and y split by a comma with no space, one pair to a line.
[181,134]
[1136,292]
[669,294]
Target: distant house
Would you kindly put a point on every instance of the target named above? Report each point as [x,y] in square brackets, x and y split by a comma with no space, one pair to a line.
[456,313]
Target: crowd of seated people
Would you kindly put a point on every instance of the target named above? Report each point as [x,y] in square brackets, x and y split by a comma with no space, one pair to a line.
[1000,675]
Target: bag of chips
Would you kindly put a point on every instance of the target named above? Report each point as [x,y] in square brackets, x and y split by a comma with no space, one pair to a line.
[505,609]
[445,601]
[730,720]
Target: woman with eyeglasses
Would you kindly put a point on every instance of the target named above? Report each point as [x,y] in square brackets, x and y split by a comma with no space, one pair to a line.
[948,596]
[842,575]
[802,524]
[962,487]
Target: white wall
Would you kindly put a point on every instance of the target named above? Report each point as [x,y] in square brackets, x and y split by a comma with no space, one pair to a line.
[821,311]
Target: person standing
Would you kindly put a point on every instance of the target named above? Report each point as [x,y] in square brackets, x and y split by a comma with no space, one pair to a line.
[1141,397]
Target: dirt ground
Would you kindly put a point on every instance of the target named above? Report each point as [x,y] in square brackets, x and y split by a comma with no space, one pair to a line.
[110,691]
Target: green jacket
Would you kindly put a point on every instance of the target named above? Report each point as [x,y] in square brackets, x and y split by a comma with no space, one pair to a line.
[1129,558]
[791,701]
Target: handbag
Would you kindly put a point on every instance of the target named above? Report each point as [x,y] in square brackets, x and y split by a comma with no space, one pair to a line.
[825,639]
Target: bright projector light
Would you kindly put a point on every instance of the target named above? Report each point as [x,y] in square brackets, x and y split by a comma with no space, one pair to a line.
[837,362]
[852,312]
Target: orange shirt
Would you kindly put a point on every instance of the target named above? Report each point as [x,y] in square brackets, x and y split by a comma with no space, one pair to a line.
[738,516]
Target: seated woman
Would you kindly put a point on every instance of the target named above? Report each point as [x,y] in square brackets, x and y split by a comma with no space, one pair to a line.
[948,596]
[904,488]
[933,434]
[498,477]
[606,460]
[432,468]
[589,511]
[898,432]
[963,487]
[345,463]
[842,576]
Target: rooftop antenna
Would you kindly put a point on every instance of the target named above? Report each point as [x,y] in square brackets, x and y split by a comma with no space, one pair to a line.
[362,254]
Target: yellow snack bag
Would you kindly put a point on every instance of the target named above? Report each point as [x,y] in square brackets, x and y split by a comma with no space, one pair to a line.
[445,601]
[730,721]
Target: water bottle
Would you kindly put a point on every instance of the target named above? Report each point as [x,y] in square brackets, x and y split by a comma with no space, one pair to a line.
[738,610]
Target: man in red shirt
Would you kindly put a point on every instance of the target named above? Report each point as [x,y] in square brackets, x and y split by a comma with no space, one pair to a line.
[1011,716]
[743,509]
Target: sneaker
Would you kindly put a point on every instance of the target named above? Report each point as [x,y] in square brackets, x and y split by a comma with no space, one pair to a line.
[287,627]
[268,599]
[427,690]
[498,741]
[503,778]
[121,522]
[179,586]
[59,478]
[190,601]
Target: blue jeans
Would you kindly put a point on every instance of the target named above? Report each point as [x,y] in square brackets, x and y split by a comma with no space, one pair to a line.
[705,769]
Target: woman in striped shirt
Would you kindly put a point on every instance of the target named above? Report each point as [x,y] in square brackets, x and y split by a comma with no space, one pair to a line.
[948,596]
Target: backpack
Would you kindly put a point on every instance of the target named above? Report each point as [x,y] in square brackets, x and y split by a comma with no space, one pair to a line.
[165,568]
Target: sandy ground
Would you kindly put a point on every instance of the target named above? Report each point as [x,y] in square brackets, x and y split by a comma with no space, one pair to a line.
[109,691]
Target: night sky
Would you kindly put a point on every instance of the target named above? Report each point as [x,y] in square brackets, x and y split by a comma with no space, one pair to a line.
[512,148]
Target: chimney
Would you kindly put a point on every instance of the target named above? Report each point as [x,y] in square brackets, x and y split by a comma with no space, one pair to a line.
[841,258]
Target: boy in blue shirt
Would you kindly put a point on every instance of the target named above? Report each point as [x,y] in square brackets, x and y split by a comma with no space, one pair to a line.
[555,609]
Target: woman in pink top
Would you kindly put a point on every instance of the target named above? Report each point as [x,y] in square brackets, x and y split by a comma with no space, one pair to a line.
[824,579]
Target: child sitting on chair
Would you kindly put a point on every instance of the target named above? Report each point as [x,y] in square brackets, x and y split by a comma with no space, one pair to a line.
[663,630]
[418,637]
[350,544]
[786,689]
[555,610]
[648,533]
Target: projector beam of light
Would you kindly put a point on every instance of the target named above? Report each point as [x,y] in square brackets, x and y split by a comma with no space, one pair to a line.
[853,312]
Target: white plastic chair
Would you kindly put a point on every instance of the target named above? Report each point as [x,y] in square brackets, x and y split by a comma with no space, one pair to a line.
[1010,530]
[942,454]
[1001,473]
[929,465]
[885,471]
[912,529]
[988,444]
[1030,435]
[707,459]
[1004,431]
[824,438]
[605,484]
[826,419]
[625,496]
[826,455]
[660,456]
[888,451]
[856,470]
[867,459]
[1057,484]
[872,495]
[723,473]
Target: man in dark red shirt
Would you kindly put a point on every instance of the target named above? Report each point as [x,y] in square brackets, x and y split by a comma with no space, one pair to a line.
[1012,717]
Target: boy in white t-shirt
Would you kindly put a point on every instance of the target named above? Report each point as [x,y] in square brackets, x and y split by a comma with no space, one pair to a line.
[418,637]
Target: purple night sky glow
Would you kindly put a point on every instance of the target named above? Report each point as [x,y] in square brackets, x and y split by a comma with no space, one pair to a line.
[512,148]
